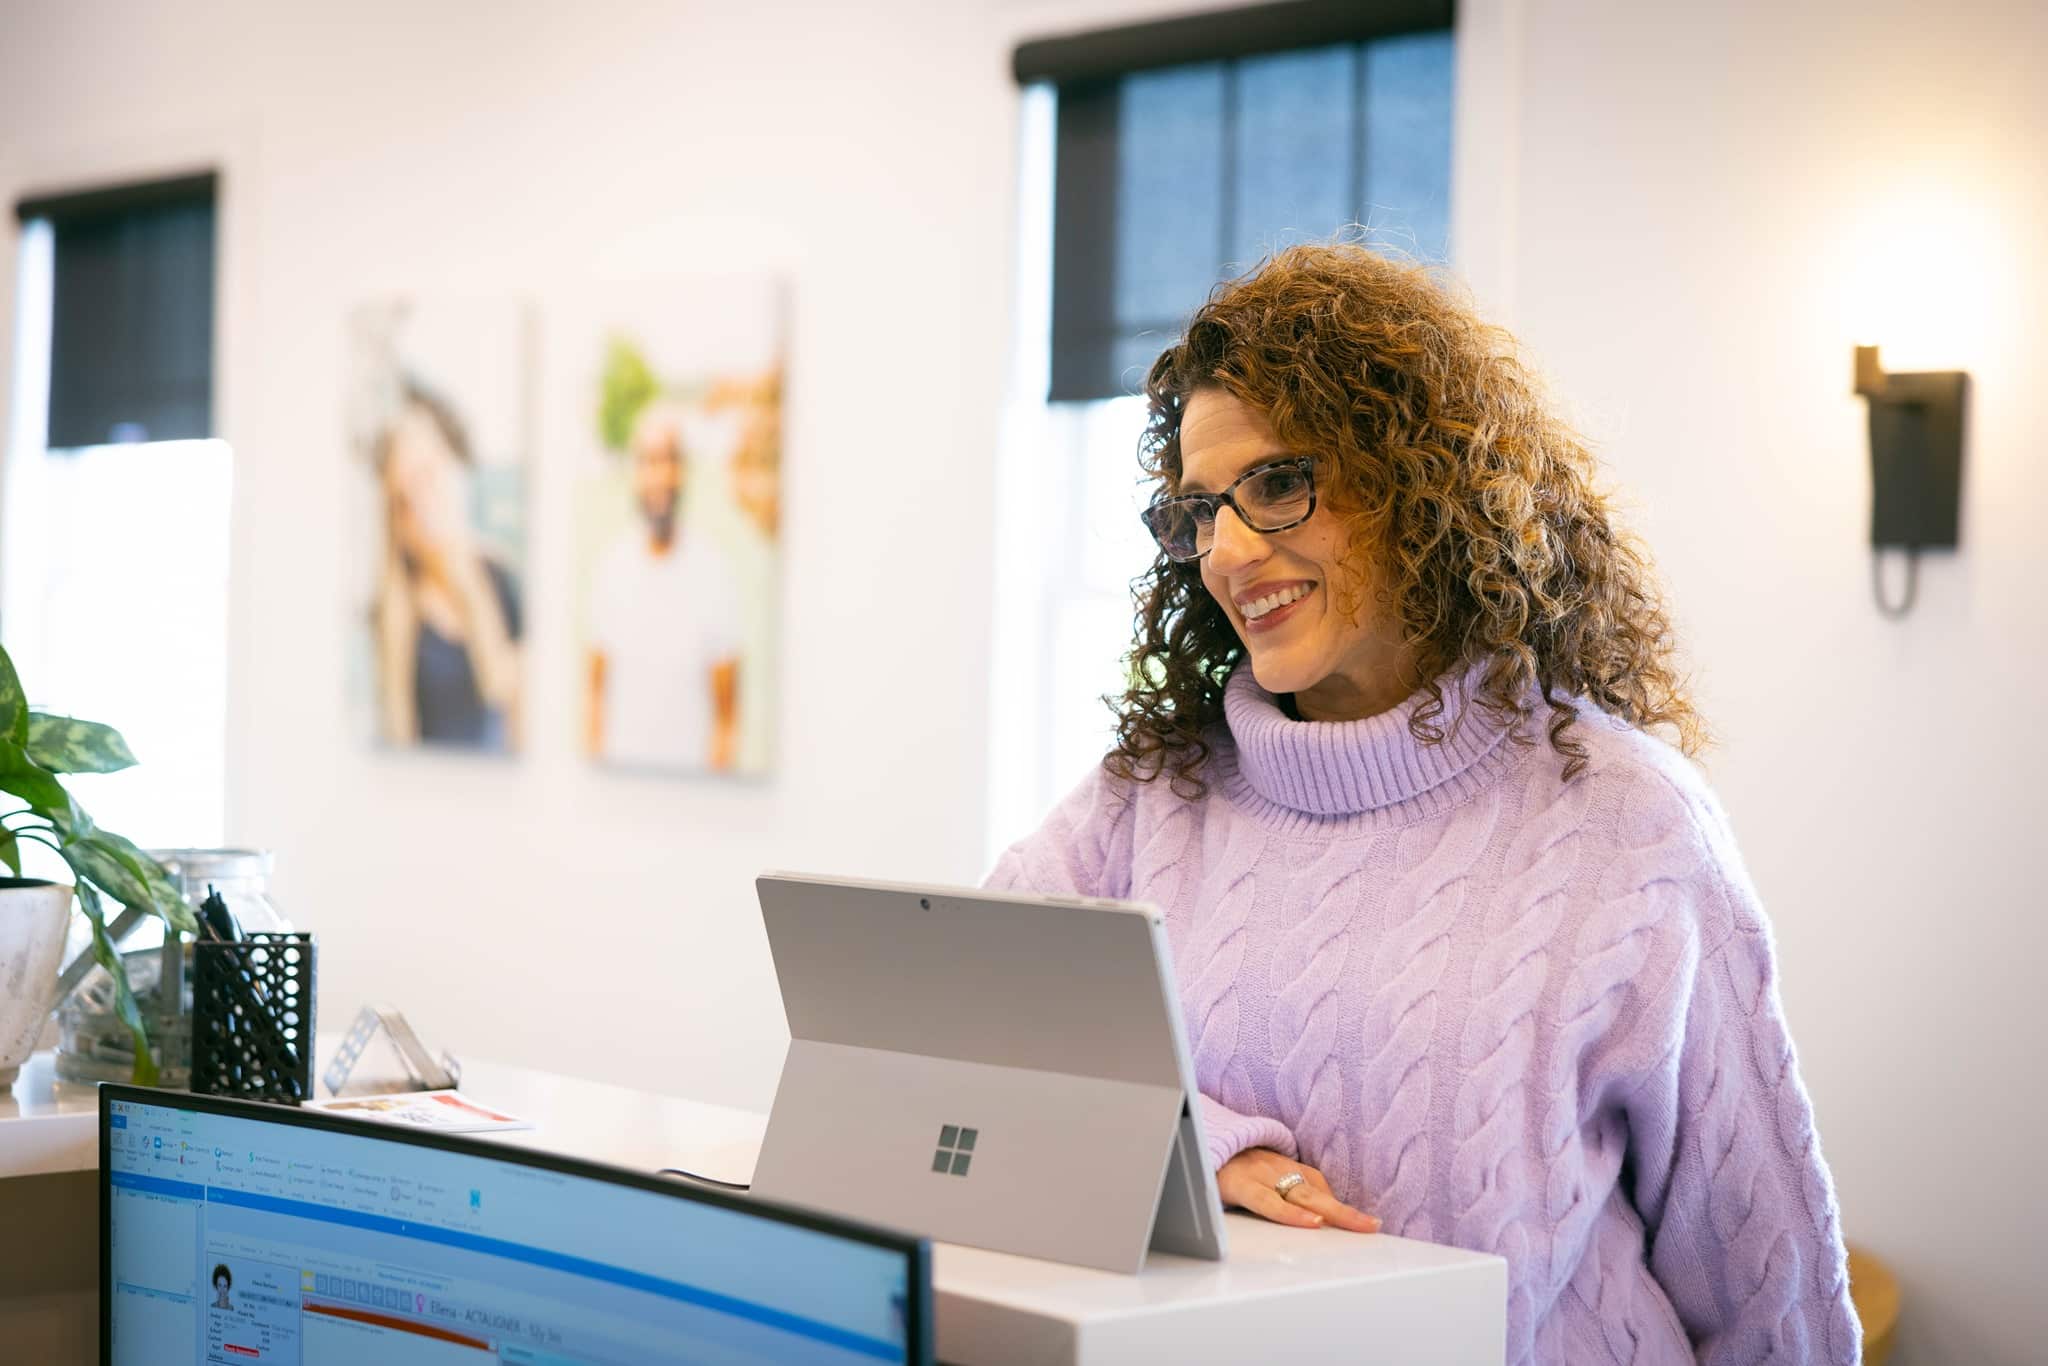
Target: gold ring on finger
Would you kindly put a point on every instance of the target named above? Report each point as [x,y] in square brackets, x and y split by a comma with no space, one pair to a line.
[1289,1183]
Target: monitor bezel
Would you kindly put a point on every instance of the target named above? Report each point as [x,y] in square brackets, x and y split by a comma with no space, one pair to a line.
[918,1328]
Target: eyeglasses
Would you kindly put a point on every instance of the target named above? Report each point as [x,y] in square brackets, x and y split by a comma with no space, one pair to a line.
[1267,498]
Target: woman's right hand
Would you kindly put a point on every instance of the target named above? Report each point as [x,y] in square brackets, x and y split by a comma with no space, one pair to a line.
[1250,1181]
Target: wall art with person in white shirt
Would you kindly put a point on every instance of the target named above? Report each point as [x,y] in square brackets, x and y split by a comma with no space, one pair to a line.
[677,522]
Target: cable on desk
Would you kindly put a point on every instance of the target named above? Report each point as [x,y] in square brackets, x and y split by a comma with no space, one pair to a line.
[705,1180]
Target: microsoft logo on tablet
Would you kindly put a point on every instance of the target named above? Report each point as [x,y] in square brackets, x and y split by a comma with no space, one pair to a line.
[956,1149]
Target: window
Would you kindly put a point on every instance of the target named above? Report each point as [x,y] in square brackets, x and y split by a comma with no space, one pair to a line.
[114,523]
[1155,162]
[1168,180]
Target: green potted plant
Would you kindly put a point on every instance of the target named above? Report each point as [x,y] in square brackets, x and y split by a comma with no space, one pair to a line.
[35,750]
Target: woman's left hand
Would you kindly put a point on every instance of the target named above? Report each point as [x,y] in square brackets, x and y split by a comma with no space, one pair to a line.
[1251,1181]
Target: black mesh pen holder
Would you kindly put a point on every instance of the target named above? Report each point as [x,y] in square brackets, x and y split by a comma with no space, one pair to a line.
[252,1017]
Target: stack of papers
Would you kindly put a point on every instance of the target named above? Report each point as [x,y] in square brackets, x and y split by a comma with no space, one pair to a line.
[447,1112]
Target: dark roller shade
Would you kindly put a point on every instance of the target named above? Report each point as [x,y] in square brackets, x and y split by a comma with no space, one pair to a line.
[1169,178]
[1221,35]
[131,329]
[1084,327]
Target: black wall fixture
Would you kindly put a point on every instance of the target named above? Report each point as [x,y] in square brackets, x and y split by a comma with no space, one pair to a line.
[1916,465]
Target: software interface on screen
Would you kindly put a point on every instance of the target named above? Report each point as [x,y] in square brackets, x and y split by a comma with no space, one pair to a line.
[237,1240]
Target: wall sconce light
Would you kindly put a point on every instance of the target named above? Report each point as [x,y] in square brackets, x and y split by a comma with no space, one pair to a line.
[1916,466]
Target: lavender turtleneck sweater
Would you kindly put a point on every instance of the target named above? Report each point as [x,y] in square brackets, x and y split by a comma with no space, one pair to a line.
[1501,1010]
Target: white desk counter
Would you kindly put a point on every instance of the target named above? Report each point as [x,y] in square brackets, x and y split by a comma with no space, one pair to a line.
[49,1126]
[1283,1294]
[46,1126]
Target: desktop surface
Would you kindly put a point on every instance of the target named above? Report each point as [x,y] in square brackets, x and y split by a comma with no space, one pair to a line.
[240,1233]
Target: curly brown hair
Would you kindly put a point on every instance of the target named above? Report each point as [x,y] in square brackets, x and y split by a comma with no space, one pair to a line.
[1474,502]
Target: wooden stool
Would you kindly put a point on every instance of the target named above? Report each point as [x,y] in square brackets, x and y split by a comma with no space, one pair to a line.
[1875,1293]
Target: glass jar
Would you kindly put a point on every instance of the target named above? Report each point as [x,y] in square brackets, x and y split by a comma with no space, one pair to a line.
[92,1043]
[241,876]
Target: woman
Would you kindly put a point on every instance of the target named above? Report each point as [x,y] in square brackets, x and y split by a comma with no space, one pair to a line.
[446,616]
[1465,952]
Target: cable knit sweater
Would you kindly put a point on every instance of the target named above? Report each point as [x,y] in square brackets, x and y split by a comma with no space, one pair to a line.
[1500,1010]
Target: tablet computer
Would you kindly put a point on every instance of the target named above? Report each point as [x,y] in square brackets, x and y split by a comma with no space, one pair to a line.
[1007,1070]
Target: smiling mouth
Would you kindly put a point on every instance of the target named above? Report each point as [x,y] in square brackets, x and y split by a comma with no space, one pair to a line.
[1273,602]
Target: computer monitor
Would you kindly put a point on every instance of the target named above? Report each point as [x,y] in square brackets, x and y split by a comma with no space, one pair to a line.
[239,1233]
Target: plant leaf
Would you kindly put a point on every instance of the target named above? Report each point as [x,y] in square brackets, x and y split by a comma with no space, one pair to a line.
[72,821]
[169,901]
[129,876]
[13,702]
[28,780]
[90,863]
[103,952]
[10,851]
[63,744]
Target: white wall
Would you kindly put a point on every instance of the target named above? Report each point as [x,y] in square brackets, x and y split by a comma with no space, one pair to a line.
[1680,207]
[471,149]
[1705,207]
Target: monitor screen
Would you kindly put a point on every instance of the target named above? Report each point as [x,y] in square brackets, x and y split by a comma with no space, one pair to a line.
[238,1233]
